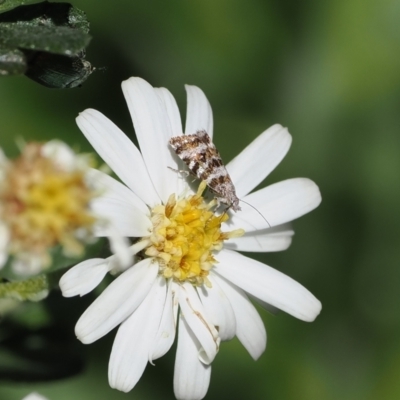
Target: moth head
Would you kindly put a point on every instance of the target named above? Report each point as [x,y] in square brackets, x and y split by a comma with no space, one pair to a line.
[235,203]
[230,200]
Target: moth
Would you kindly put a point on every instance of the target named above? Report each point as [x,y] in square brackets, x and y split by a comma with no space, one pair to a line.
[201,156]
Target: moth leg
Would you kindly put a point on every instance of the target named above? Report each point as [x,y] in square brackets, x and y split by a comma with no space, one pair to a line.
[180,171]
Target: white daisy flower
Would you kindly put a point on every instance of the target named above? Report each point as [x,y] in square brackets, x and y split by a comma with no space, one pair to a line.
[45,198]
[187,255]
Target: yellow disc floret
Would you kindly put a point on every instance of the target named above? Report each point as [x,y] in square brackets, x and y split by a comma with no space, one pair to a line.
[185,234]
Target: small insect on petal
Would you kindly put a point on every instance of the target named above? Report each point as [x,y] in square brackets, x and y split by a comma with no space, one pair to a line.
[201,156]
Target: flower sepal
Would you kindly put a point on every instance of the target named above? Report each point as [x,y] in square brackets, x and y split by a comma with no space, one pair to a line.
[33,289]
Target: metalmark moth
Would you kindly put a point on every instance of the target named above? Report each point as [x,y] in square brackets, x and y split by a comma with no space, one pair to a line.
[201,156]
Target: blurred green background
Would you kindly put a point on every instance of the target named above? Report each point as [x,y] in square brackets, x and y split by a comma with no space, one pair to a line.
[330,72]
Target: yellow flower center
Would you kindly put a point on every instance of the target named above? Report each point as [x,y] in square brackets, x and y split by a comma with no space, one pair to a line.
[43,205]
[185,234]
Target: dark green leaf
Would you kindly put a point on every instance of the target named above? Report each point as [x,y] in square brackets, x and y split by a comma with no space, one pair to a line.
[47,14]
[6,5]
[53,39]
[54,27]
[39,355]
[77,19]
[12,62]
[47,42]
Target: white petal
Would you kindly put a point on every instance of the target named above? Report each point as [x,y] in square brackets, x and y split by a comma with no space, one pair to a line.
[271,309]
[174,120]
[118,208]
[259,159]
[250,328]
[199,114]
[119,216]
[153,130]
[278,203]
[120,247]
[59,153]
[157,313]
[132,343]
[191,376]
[261,241]
[117,302]
[117,265]
[27,264]
[166,331]
[218,308]
[117,150]
[3,159]
[172,111]
[4,240]
[34,396]
[193,312]
[83,277]
[268,285]
[113,189]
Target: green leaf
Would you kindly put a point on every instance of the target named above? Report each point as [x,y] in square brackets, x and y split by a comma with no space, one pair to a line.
[77,19]
[47,14]
[53,39]
[6,5]
[47,42]
[54,27]
[12,62]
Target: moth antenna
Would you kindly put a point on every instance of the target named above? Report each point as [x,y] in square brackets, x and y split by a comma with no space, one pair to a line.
[265,219]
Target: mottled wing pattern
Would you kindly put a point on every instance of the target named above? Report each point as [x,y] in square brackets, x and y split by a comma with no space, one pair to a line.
[201,156]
